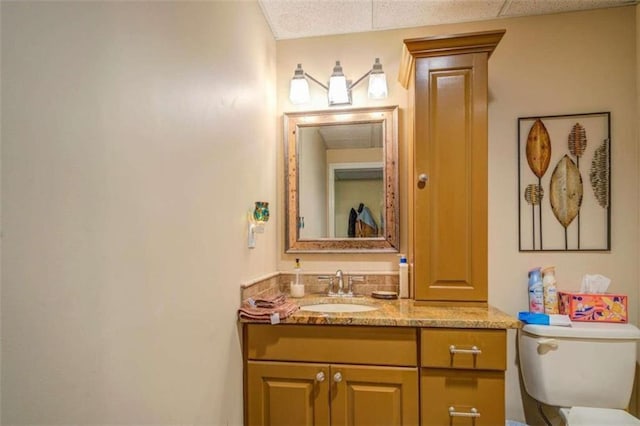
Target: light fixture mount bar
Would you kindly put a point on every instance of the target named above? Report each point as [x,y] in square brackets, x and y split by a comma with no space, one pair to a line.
[324,86]
[351,86]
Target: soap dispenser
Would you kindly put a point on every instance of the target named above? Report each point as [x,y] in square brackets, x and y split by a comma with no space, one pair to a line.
[297,286]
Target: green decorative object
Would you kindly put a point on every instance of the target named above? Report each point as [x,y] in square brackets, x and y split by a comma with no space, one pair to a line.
[261,212]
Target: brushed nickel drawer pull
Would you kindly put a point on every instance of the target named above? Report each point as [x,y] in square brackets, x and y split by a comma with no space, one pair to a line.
[320,376]
[337,377]
[472,413]
[474,350]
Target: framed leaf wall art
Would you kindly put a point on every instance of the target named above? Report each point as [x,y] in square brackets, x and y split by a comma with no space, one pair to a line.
[564,182]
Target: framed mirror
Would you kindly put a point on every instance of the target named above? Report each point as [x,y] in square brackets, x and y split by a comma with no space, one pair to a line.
[341,180]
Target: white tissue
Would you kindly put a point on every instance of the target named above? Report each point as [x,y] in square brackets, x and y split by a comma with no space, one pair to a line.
[594,284]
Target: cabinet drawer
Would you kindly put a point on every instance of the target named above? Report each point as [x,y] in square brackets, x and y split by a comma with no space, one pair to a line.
[463,348]
[350,345]
[462,397]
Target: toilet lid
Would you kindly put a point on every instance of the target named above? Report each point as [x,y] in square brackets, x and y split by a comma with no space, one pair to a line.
[588,416]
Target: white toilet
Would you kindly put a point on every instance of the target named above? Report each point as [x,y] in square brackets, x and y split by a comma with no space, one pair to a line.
[587,370]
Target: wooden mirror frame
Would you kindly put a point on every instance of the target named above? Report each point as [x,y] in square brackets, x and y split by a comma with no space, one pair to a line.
[388,117]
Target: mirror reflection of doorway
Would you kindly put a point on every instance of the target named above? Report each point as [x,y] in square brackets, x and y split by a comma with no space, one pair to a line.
[340,166]
[355,189]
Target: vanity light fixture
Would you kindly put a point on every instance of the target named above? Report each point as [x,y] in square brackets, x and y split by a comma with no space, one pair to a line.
[339,88]
[299,88]
[377,82]
[257,219]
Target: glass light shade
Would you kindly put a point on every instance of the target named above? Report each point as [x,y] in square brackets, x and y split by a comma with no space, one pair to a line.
[299,91]
[338,87]
[377,86]
[299,88]
[338,92]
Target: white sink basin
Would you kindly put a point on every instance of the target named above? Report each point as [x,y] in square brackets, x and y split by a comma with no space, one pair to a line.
[338,307]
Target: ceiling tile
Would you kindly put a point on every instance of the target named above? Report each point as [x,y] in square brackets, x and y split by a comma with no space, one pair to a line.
[414,13]
[541,7]
[307,18]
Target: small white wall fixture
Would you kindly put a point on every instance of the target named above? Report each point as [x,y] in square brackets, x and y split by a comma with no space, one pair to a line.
[257,219]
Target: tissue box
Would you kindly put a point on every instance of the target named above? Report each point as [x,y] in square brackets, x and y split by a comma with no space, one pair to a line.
[605,307]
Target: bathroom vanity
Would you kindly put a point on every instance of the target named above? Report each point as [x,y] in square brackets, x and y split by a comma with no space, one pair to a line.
[400,364]
[439,359]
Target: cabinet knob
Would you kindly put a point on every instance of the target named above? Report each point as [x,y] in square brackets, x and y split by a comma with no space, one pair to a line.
[422,180]
[473,412]
[337,377]
[320,376]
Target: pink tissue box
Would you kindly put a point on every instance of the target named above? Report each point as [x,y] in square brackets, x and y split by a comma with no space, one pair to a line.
[594,307]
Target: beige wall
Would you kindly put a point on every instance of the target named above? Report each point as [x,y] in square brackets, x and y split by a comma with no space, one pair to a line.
[312,180]
[135,139]
[556,64]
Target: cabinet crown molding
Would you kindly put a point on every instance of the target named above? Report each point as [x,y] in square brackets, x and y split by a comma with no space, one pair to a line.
[454,44]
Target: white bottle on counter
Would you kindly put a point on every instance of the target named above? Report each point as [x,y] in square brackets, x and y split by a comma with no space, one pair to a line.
[403,268]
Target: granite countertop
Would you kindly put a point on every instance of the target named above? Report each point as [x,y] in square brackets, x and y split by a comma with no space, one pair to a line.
[401,313]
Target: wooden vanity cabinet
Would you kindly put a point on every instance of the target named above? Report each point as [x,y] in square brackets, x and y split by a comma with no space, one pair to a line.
[363,376]
[323,375]
[449,178]
[462,377]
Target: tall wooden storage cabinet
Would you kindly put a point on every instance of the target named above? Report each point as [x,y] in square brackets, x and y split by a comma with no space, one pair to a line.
[449,229]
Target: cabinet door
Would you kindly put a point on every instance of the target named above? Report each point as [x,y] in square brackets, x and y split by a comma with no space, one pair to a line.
[462,397]
[368,395]
[283,393]
[450,209]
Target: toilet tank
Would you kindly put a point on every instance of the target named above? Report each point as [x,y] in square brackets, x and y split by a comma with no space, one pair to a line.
[587,364]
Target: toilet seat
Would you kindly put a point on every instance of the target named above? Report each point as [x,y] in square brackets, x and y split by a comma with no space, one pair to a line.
[589,416]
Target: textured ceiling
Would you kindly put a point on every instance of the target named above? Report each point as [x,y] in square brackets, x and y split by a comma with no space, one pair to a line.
[353,136]
[290,19]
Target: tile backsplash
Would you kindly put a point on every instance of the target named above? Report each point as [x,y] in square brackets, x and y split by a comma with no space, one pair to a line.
[279,282]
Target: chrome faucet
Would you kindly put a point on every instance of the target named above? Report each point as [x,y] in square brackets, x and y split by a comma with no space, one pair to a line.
[340,282]
[329,280]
